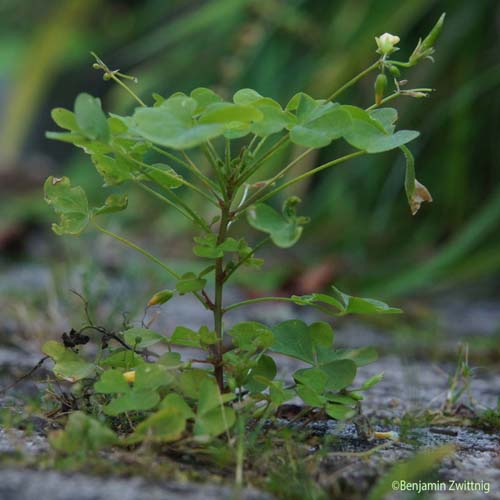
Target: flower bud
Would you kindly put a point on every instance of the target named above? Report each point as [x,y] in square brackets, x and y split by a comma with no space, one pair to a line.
[160,297]
[386,43]
[395,71]
[129,376]
[425,47]
[380,86]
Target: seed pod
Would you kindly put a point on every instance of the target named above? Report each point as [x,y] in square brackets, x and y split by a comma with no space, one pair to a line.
[431,38]
[380,86]
[395,71]
[160,297]
[425,47]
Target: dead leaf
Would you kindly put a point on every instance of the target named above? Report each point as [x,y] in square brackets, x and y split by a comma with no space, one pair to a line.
[419,196]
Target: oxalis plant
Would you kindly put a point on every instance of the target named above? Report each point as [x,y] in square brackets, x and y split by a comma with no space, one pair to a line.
[125,392]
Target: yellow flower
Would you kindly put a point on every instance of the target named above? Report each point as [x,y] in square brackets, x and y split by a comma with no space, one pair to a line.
[394,436]
[129,376]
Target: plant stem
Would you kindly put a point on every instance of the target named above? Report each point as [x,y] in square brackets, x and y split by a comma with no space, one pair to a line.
[230,272]
[307,174]
[257,300]
[150,256]
[271,181]
[137,248]
[398,93]
[268,154]
[353,81]
[188,165]
[173,177]
[218,304]
[179,205]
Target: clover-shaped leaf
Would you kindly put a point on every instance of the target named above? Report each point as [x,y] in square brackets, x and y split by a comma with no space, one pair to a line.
[340,303]
[318,122]
[251,336]
[114,203]
[369,134]
[204,97]
[68,364]
[172,124]
[70,203]
[114,170]
[141,338]
[212,417]
[142,395]
[189,282]
[274,118]
[285,229]
[90,118]
[82,433]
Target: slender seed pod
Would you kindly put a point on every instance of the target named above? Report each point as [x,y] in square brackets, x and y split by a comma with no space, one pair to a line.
[160,297]
[380,86]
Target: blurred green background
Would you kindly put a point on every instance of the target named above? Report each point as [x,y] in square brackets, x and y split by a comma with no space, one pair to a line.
[362,234]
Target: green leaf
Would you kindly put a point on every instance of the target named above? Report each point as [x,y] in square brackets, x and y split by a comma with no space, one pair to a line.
[172,124]
[207,336]
[246,96]
[112,382]
[340,374]
[190,284]
[322,334]
[90,117]
[340,303]
[274,119]
[164,176]
[70,203]
[204,97]
[387,117]
[261,374]
[65,118]
[114,203]
[318,122]
[189,382]
[229,114]
[279,394]
[68,364]
[141,338]
[368,134]
[173,400]
[82,434]
[132,401]
[361,356]
[293,339]
[212,417]
[251,336]
[164,426]
[122,359]
[340,412]
[310,396]
[343,399]
[284,232]
[170,360]
[152,376]
[185,337]
[359,305]
[313,378]
[113,170]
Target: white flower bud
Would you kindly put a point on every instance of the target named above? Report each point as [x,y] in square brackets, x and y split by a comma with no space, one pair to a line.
[386,43]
